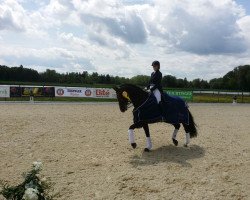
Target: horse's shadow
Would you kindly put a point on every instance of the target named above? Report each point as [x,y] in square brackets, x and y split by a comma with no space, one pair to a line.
[170,153]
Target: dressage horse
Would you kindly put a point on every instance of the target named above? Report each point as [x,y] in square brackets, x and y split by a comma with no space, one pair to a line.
[130,94]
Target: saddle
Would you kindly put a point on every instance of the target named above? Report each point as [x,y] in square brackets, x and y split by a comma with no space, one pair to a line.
[172,110]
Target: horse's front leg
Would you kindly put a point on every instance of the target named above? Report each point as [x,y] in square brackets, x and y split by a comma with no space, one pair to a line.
[149,142]
[131,134]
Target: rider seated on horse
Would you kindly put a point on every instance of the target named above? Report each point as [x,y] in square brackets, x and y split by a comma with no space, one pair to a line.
[155,82]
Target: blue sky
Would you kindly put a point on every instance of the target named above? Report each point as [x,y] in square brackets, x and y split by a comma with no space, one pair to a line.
[193,39]
[245,4]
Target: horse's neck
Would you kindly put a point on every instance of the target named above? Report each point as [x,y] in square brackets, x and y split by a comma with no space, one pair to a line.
[139,99]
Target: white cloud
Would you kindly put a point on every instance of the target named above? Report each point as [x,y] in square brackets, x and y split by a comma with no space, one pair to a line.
[58,58]
[102,18]
[205,38]
[115,49]
[200,27]
[11,16]
[244,24]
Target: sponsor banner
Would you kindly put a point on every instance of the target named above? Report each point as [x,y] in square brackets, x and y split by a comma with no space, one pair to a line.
[187,95]
[32,91]
[73,92]
[15,91]
[104,93]
[4,91]
[49,91]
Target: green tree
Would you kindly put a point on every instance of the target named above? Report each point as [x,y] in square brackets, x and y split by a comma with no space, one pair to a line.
[141,80]
[169,81]
[50,76]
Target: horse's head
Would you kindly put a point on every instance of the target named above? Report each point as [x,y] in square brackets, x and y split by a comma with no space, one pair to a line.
[123,98]
[128,93]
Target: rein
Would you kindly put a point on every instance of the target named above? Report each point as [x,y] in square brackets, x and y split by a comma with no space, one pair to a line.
[142,103]
[129,104]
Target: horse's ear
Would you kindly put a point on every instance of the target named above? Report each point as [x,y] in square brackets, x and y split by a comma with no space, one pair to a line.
[115,88]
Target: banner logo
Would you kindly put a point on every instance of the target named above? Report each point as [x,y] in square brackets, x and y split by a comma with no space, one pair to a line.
[88,93]
[74,91]
[60,92]
[102,92]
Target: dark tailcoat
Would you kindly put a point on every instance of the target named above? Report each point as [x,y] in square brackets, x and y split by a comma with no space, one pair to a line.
[155,81]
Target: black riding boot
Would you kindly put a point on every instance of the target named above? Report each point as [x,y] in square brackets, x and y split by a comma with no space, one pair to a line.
[162,110]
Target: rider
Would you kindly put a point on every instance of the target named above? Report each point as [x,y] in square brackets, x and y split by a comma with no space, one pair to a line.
[155,81]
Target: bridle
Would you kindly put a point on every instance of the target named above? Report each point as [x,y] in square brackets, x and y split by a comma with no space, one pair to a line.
[125,95]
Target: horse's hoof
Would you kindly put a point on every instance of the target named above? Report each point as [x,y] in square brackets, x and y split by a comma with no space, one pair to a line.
[146,150]
[133,145]
[175,142]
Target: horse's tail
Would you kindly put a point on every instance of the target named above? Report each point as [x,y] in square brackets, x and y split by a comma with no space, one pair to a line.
[191,127]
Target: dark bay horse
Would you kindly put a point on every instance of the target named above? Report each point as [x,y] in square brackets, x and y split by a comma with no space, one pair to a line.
[131,94]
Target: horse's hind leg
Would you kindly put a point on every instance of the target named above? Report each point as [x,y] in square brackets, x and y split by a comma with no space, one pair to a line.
[187,141]
[149,143]
[174,135]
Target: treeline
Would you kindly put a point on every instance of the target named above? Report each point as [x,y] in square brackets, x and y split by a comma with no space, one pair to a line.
[237,79]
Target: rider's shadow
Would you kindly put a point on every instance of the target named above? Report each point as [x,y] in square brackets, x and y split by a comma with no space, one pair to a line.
[171,153]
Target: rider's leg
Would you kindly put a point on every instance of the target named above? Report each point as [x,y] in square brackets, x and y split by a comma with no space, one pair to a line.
[157,94]
[160,103]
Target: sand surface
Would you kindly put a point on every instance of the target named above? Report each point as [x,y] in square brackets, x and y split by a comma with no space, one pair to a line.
[85,151]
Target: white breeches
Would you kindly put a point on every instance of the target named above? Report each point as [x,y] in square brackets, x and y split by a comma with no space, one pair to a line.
[157,95]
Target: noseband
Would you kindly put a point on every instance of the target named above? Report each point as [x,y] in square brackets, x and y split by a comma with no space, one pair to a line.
[125,95]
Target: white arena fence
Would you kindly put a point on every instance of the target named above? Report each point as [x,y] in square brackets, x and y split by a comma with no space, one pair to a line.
[222,93]
[85,92]
[4,91]
[8,91]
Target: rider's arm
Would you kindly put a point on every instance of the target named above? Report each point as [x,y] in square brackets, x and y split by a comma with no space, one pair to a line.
[148,86]
[156,81]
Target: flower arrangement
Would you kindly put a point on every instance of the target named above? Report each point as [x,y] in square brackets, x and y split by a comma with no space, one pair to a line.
[32,188]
